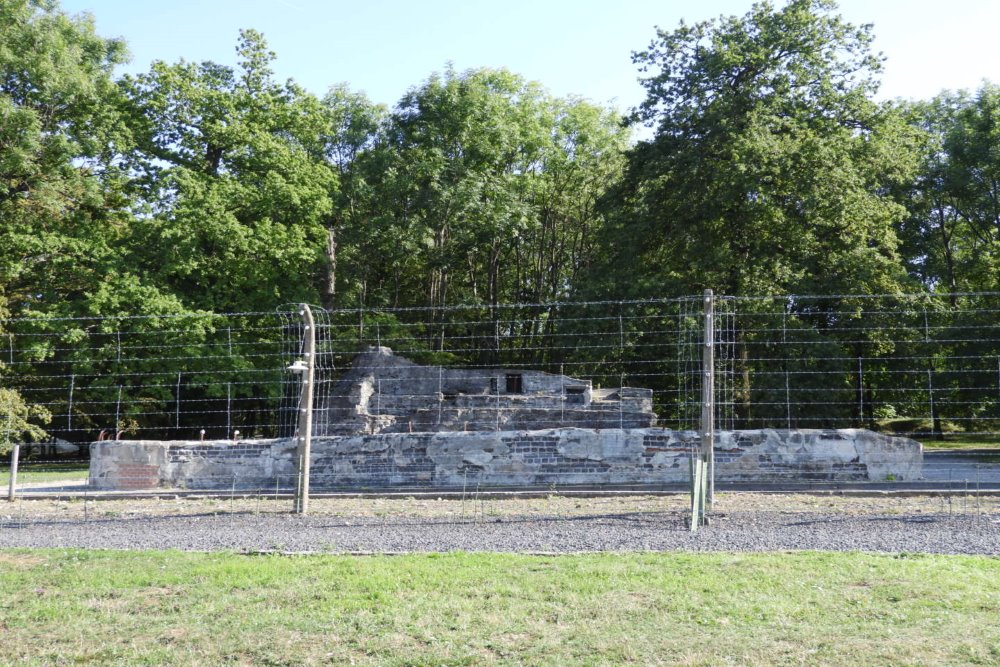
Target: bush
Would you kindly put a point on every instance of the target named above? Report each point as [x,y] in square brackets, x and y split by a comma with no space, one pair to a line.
[14,420]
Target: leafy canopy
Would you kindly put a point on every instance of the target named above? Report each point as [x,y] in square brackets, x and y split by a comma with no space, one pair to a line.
[237,190]
[769,163]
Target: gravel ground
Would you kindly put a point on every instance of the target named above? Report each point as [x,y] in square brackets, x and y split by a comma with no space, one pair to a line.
[742,522]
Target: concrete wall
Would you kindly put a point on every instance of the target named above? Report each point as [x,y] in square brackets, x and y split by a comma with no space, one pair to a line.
[518,458]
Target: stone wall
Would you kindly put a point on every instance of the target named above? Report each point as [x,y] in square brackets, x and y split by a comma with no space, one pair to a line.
[506,458]
[383,392]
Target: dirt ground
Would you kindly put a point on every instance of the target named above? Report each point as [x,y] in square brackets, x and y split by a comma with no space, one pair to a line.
[475,506]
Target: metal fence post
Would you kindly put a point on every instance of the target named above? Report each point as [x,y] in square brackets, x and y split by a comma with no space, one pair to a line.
[12,487]
[305,411]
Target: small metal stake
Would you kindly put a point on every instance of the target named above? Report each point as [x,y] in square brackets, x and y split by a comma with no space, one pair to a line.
[978,506]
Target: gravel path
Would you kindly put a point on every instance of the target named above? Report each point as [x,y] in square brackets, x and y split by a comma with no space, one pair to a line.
[564,526]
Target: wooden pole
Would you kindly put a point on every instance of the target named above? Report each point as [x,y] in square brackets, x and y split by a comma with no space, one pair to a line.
[306,410]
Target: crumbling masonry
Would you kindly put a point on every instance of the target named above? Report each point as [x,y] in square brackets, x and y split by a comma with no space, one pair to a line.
[385,393]
[392,423]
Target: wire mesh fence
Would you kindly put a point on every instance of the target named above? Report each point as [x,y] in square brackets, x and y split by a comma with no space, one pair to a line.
[927,366]
[152,377]
[921,366]
[214,376]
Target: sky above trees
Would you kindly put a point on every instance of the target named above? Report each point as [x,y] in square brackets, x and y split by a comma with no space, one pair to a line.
[575,47]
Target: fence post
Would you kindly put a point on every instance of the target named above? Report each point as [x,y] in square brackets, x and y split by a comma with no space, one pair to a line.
[708,391]
[12,487]
[703,471]
[306,410]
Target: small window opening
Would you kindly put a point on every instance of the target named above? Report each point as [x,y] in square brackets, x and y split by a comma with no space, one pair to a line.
[575,395]
[515,383]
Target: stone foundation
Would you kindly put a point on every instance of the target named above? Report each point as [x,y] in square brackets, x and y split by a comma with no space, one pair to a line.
[567,456]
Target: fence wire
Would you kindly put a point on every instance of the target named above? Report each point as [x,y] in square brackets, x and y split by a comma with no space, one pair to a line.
[925,367]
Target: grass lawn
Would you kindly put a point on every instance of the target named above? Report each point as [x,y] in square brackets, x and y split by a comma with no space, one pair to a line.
[47,472]
[951,438]
[962,441]
[99,607]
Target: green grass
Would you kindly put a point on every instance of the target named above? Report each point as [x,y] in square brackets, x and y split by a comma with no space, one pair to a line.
[962,441]
[47,472]
[99,607]
[952,436]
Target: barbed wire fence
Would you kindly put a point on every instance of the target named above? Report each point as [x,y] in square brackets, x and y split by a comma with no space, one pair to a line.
[927,366]
[920,366]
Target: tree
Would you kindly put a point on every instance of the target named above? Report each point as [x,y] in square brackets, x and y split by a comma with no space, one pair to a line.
[354,127]
[770,170]
[952,236]
[769,165]
[484,190]
[467,146]
[19,420]
[61,208]
[952,242]
[237,190]
[586,154]
[62,212]
[479,189]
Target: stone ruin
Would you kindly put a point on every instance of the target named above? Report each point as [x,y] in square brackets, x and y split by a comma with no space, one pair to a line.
[391,423]
[386,393]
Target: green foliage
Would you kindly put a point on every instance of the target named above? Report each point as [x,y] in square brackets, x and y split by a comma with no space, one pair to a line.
[62,212]
[60,206]
[482,191]
[355,234]
[231,170]
[952,235]
[19,421]
[769,163]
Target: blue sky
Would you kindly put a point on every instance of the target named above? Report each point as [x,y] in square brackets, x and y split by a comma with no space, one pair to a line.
[579,47]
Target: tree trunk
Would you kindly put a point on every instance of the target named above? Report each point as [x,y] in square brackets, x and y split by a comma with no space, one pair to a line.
[330,291]
[742,399]
[949,257]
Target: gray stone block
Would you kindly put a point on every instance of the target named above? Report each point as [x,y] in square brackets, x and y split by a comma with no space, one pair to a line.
[563,456]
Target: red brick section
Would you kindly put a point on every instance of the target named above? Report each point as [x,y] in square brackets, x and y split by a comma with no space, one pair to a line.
[138,476]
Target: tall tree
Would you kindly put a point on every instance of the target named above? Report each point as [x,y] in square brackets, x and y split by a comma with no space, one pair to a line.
[769,164]
[952,237]
[237,189]
[354,127]
[60,205]
[61,209]
[486,189]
